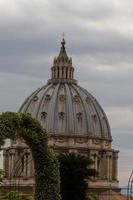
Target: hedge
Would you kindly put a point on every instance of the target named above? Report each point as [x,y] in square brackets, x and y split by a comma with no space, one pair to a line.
[47,181]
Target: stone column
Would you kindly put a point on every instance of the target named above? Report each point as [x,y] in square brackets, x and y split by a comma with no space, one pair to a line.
[52,72]
[27,171]
[72,73]
[95,160]
[32,169]
[13,163]
[68,72]
[10,165]
[105,162]
[91,155]
[56,72]
[110,167]
[22,168]
[99,166]
[60,72]
[6,163]
[64,76]
[25,166]
[28,165]
[104,166]
[115,166]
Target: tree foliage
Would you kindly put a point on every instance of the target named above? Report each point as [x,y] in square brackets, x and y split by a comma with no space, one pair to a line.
[75,172]
[2,175]
[14,195]
[47,184]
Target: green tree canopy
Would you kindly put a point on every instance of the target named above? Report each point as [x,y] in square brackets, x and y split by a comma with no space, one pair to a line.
[75,171]
[2,175]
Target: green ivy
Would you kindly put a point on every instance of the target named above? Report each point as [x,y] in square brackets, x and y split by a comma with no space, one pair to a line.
[47,181]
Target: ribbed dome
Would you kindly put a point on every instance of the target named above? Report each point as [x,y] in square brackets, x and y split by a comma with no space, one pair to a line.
[63,107]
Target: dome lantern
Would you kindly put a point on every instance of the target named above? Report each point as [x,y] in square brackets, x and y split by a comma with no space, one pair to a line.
[62,69]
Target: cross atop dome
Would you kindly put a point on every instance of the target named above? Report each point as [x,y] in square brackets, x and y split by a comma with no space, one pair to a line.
[63,50]
[63,42]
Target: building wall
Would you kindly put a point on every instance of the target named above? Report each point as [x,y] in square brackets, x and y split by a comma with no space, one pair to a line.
[19,167]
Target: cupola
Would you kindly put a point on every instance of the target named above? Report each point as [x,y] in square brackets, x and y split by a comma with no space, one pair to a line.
[62,69]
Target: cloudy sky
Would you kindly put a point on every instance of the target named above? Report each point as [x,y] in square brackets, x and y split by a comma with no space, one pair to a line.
[99,35]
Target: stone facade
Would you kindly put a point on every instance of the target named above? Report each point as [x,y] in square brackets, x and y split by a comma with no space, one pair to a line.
[105,160]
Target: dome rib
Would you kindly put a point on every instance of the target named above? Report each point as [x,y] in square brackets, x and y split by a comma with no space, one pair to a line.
[61,110]
[73,111]
[39,103]
[96,104]
[52,112]
[83,106]
[70,116]
[27,102]
[95,128]
[92,102]
[90,130]
[107,123]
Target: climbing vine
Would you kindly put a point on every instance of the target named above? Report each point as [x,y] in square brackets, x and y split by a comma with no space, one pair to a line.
[47,181]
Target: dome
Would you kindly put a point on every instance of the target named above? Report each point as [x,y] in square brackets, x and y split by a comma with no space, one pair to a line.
[65,108]
[75,122]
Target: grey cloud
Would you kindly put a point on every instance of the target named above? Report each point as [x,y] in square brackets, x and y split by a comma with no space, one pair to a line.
[14,89]
[99,37]
[124,142]
[111,94]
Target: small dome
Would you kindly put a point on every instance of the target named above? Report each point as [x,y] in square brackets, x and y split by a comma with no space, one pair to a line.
[65,108]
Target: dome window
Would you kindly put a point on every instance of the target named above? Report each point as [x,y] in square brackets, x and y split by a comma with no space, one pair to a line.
[94,116]
[43,115]
[87,99]
[62,97]
[61,115]
[76,98]
[47,98]
[35,98]
[79,115]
